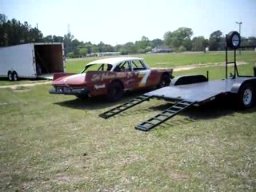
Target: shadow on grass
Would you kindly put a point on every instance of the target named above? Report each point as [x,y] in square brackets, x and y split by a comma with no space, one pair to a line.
[212,110]
[209,110]
[97,102]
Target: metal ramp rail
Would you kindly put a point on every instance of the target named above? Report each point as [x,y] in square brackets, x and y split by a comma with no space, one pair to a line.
[125,106]
[164,116]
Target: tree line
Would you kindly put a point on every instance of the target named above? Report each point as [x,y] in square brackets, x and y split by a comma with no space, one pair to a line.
[13,32]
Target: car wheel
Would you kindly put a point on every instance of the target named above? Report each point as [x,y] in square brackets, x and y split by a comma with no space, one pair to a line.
[9,75]
[164,81]
[246,96]
[15,76]
[115,91]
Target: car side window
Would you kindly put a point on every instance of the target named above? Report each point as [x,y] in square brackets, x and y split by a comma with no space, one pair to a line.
[97,67]
[123,67]
[105,67]
[138,65]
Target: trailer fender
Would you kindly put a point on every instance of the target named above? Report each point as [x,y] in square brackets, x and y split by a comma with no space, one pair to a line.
[189,79]
[238,85]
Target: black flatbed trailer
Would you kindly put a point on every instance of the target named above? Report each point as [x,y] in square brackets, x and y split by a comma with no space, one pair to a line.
[202,92]
[196,90]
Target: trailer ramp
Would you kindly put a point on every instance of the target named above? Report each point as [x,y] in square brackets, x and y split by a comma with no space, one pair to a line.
[164,115]
[125,106]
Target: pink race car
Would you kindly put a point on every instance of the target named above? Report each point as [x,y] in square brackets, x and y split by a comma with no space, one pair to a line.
[110,77]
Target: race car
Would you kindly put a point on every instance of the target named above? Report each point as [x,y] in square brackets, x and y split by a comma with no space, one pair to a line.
[110,77]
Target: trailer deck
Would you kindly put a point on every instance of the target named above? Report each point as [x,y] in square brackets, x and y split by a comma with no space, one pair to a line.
[197,92]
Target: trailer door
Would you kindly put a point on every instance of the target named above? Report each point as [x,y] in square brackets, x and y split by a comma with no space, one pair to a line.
[49,58]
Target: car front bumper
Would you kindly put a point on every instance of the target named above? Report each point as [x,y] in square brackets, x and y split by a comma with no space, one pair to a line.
[69,91]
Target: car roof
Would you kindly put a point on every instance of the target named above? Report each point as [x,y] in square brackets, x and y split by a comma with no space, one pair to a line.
[114,60]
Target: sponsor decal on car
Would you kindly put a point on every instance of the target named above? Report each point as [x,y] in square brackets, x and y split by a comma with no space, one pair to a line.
[107,76]
[100,86]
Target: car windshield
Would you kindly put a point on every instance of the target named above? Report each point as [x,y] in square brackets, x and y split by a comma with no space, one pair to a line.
[97,67]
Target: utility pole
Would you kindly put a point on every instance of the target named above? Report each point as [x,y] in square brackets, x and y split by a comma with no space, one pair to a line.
[240,24]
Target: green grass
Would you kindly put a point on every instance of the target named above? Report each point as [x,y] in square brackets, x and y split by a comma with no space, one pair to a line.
[218,72]
[173,59]
[58,143]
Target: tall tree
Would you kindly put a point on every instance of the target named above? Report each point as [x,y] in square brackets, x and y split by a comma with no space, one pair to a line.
[216,41]
[179,38]
[143,45]
[68,43]
[157,43]
[83,51]
[199,43]
[3,18]
[13,32]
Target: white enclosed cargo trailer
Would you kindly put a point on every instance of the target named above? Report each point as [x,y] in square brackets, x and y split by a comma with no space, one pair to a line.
[33,60]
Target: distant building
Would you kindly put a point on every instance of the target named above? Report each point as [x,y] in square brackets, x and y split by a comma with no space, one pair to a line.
[161,49]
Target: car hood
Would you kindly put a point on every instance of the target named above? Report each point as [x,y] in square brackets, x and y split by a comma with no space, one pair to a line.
[72,80]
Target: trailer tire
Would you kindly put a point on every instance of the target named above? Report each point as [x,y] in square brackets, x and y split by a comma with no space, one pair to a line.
[246,96]
[9,75]
[115,91]
[164,81]
[15,76]
[233,40]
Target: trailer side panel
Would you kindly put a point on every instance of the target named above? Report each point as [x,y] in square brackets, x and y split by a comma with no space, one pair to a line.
[19,59]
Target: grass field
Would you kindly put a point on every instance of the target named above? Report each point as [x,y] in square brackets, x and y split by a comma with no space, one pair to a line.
[173,59]
[58,143]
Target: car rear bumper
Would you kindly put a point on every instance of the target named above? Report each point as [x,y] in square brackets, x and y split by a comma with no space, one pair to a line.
[69,91]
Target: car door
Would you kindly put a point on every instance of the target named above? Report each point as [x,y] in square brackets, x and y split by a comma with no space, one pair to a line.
[125,74]
[141,73]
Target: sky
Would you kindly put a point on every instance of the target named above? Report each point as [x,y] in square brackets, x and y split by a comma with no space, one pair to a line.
[121,21]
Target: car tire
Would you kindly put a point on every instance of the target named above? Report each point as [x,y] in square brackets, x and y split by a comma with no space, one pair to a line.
[9,75]
[164,81]
[15,76]
[246,96]
[115,91]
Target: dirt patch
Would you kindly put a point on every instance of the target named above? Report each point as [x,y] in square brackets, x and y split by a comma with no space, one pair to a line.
[3,104]
[194,66]
[178,176]
[21,89]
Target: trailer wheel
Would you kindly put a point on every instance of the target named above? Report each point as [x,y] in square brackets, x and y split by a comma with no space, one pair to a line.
[15,76]
[115,91]
[9,75]
[233,40]
[246,96]
[164,81]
